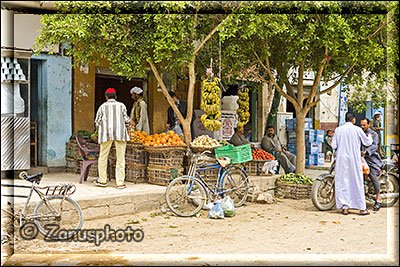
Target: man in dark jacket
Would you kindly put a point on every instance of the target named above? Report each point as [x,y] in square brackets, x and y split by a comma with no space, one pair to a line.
[238,138]
[172,122]
[373,160]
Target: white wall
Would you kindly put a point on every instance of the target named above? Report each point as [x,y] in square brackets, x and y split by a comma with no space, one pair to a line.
[19,30]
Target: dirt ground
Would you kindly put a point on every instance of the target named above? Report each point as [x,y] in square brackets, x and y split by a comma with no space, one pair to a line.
[286,227]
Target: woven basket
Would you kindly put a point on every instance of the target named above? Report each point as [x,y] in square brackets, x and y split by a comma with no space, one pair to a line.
[162,176]
[131,145]
[71,166]
[71,151]
[294,191]
[201,149]
[93,169]
[164,149]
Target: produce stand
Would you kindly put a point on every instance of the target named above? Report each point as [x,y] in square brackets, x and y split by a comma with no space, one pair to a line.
[165,163]
[294,191]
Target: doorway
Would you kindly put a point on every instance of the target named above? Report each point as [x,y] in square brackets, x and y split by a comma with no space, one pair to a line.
[121,85]
[36,112]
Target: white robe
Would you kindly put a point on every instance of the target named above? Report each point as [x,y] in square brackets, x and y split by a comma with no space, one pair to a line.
[349,181]
[143,123]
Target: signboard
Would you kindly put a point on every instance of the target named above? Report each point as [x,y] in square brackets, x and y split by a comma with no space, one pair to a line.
[228,120]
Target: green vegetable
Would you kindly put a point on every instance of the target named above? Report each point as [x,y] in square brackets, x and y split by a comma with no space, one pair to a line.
[293,178]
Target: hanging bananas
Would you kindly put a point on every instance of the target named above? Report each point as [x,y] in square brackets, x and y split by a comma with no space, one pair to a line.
[243,110]
[211,105]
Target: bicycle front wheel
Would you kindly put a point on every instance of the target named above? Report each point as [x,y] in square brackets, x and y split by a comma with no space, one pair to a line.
[59,213]
[236,185]
[185,197]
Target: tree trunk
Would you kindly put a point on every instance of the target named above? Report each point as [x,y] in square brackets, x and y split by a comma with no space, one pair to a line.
[300,141]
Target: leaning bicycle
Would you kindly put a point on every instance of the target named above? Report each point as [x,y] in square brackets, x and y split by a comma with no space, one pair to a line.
[186,195]
[55,208]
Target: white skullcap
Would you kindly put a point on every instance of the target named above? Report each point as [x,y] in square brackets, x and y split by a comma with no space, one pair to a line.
[136,90]
[376,112]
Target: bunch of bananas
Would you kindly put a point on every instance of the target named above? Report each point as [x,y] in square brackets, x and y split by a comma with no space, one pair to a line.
[243,110]
[211,105]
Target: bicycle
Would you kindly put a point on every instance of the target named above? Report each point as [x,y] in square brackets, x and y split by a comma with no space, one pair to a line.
[186,195]
[55,207]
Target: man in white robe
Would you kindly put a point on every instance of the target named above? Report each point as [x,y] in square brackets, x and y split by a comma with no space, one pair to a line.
[139,111]
[349,180]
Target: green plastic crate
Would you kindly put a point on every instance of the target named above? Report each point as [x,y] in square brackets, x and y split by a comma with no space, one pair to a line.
[237,154]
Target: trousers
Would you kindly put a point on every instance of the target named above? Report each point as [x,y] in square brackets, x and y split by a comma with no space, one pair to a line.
[120,148]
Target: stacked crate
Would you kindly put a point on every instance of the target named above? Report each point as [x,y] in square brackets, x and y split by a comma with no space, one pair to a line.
[164,164]
[135,163]
[71,157]
[313,142]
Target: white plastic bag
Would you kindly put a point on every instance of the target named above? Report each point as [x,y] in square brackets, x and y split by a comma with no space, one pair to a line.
[270,166]
[365,166]
[228,206]
[216,212]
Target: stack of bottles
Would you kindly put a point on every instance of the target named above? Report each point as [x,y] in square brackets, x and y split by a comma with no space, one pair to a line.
[313,142]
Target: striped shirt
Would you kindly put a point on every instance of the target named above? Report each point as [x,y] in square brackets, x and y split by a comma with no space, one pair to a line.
[110,120]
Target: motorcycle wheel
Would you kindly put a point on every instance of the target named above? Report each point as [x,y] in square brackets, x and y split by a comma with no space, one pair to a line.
[391,187]
[323,193]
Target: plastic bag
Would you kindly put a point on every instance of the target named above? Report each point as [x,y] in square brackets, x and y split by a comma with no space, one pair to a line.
[364,165]
[270,166]
[228,206]
[216,212]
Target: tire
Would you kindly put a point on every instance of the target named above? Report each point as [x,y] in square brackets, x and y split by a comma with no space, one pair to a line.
[236,179]
[180,202]
[321,199]
[392,187]
[71,217]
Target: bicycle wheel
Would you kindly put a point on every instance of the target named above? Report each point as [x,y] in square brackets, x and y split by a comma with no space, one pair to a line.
[185,197]
[62,212]
[235,181]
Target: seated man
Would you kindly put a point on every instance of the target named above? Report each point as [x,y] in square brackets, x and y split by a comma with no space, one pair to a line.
[238,138]
[328,143]
[271,143]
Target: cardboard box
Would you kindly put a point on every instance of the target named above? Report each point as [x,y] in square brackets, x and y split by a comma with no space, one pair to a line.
[309,136]
[320,159]
[313,147]
[319,136]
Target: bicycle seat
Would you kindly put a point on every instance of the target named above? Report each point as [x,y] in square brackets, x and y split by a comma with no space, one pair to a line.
[35,178]
[224,161]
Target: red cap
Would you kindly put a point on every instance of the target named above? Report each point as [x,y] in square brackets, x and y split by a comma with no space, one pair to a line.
[111,91]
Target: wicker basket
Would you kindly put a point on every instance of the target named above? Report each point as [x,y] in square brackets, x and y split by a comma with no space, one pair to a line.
[294,191]
[170,159]
[202,149]
[162,176]
[93,169]
[164,149]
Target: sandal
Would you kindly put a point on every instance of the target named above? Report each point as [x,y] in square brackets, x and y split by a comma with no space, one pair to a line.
[97,183]
[364,212]
[377,206]
[345,212]
[121,186]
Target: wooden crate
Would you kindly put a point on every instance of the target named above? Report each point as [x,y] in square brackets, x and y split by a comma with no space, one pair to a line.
[135,174]
[162,176]
[71,165]
[71,151]
[138,156]
[252,167]
[294,191]
[167,159]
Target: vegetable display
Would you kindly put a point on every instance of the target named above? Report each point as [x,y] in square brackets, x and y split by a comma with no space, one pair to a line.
[294,178]
[211,105]
[205,141]
[243,110]
[262,154]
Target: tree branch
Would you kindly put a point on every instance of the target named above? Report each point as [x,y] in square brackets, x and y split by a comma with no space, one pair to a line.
[208,37]
[336,83]
[164,90]
[277,87]
[317,79]
[285,80]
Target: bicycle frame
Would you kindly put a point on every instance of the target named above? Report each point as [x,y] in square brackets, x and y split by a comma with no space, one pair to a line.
[193,174]
[33,188]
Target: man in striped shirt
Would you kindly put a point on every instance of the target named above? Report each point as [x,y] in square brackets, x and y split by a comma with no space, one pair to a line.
[110,120]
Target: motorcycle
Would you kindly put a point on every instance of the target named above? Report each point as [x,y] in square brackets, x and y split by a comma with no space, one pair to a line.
[323,189]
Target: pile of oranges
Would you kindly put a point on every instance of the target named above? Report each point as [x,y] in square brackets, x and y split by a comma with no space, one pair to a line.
[164,139]
[138,136]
